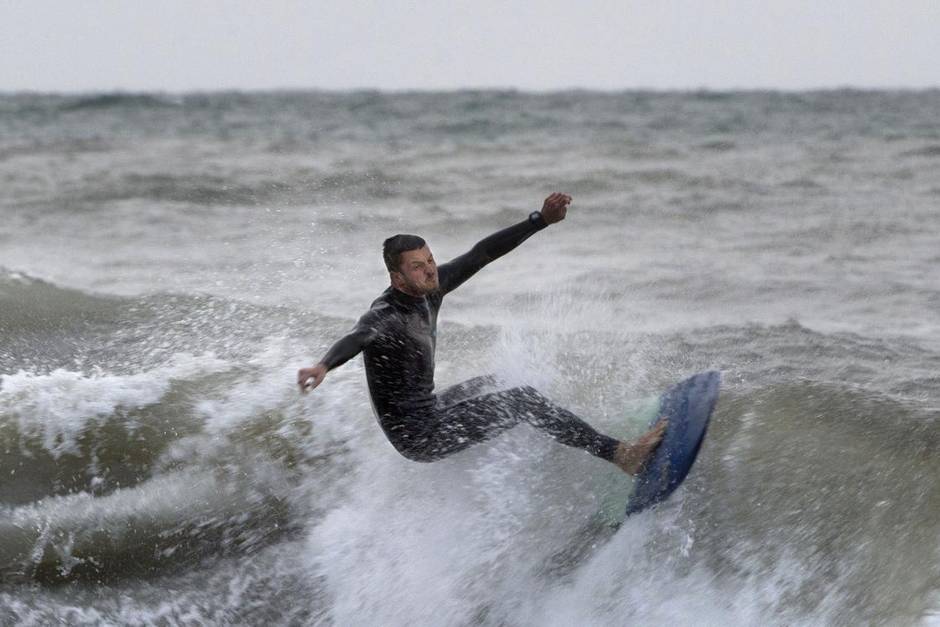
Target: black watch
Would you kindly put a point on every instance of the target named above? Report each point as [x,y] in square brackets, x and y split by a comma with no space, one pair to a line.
[537,219]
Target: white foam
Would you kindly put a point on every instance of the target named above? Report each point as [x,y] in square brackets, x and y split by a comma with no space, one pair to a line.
[56,406]
[468,540]
[337,411]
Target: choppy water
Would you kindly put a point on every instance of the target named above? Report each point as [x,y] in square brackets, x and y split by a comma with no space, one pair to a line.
[167,263]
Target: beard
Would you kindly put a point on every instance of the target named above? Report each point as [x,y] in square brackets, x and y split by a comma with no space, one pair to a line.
[421,289]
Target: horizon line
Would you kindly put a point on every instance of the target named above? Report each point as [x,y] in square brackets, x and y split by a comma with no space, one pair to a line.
[456,90]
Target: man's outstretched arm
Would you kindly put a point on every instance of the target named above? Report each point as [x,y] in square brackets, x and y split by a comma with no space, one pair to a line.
[342,351]
[453,273]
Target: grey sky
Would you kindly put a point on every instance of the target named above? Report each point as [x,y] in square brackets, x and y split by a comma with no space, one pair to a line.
[178,45]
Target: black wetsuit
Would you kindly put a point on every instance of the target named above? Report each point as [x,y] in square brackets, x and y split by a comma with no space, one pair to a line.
[398,336]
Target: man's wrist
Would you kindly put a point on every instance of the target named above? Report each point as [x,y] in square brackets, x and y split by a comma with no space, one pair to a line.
[537,219]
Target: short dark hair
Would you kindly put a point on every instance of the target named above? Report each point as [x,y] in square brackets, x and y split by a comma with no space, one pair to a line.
[394,246]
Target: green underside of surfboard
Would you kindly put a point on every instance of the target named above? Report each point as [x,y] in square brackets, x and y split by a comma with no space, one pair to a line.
[615,486]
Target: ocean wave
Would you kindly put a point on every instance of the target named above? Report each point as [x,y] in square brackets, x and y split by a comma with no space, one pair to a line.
[199,189]
[54,405]
[932,151]
[47,327]
[769,498]
[67,431]
[166,522]
[132,474]
[302,187]
[786,473]
[805,183]
[718,145]
[72,146]
[119,101]
[29,303]
[155,473]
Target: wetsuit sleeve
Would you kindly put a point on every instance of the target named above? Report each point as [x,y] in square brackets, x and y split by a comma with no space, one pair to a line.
[350,345]
[453,273]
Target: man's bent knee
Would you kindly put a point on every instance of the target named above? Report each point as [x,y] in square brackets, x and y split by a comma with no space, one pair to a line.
[424,453]
[418,456]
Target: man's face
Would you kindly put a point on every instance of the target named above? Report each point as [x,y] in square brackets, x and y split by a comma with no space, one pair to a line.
[417,274]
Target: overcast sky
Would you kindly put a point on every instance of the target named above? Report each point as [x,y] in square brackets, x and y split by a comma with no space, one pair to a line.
[178,45]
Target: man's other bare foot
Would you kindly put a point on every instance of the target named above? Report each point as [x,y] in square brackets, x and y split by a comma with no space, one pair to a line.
[631,456]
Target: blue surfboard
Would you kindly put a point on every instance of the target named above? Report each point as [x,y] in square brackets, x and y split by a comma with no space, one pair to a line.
[688,406]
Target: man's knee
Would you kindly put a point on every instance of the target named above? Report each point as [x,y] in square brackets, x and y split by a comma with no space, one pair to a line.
[526,399]
[418,456]
[530,391]
[414,451]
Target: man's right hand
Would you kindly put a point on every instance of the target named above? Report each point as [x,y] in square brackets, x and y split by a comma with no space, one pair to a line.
[555,207]
[309,378]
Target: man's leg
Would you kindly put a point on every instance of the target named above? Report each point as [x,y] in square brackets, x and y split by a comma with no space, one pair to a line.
[570,430]
[561,424]
[477,386]
[465,416]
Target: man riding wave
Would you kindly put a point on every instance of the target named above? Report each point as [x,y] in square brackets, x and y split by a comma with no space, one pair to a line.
[398,336]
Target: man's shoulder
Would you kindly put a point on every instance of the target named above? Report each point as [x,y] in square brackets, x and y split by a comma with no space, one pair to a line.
[381,307]
[383,300]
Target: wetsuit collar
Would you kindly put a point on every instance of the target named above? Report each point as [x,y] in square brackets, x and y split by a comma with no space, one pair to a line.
[407,299]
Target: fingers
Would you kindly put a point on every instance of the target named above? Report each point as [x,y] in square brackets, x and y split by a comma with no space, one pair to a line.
[557,198]
[308,379]
[310,384]
[555,207]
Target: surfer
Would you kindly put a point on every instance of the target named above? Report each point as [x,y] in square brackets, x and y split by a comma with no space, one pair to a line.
[398,336]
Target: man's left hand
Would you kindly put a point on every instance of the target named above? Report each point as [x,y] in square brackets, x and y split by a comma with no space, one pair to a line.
[555,207]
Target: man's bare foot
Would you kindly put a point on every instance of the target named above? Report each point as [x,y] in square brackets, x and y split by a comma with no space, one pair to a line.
[631,456]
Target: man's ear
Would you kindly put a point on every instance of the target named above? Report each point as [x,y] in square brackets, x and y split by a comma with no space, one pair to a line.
[395,278]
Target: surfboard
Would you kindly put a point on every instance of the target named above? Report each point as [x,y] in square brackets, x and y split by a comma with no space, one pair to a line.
[688,406]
